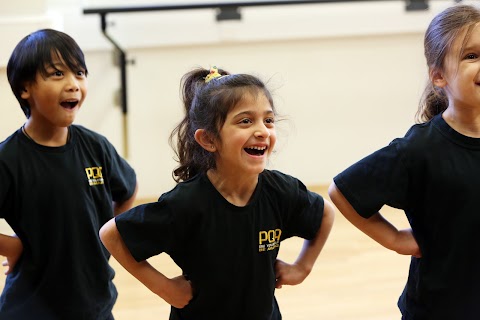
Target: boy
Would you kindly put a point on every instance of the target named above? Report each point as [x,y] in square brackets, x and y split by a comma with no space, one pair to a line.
[59,184]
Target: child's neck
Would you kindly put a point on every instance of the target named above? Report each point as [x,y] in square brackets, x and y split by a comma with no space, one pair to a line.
[237,191]
[50,138]
[464,121]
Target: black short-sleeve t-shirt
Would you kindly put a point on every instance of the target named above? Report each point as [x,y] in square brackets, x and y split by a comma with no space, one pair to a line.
[433,174]
[56,199]
[228,252]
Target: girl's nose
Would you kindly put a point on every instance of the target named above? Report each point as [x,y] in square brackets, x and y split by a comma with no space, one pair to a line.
[262,132]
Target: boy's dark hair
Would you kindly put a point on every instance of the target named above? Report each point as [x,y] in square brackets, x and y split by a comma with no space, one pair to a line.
[35,53]
[206,107]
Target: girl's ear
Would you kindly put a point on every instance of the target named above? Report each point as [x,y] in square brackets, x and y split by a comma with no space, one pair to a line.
[203,139]
[437,78]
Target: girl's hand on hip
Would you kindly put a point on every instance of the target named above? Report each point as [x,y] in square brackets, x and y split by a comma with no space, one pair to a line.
[180,292]
[406,244]
[289,274]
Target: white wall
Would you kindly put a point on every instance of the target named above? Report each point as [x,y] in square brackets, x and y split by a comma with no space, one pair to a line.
[347,76]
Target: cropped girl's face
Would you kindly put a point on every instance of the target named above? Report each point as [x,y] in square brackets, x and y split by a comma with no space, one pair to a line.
[461,75]
[248,136]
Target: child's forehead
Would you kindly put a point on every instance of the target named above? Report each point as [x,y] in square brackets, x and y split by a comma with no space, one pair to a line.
[56,58]
[468,37]
[252,102]
[471,35]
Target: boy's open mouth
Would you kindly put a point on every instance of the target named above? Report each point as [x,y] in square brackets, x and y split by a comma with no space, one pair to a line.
[69,104]
[256,151]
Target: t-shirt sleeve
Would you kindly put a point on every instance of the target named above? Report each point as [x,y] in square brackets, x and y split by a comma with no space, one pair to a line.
[147,229]
[9,162]
[378,179]
[305,210]
[122,177]
[5,185]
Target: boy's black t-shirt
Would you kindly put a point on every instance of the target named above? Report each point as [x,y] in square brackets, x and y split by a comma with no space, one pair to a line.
[56,199]
[433,174]
[227,252]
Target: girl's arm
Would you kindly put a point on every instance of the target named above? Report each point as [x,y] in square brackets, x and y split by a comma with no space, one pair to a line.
[376,227]
[176,291]
[292,274]
[10,247]
[120,207]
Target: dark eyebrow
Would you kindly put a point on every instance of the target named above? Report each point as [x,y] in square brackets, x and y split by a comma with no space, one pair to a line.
[249,113]
[470,47]
[56,66]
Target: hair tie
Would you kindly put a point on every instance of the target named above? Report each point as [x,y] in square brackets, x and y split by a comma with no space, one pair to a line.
[214,74]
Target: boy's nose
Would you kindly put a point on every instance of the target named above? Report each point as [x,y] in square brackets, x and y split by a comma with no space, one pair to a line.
[72,83]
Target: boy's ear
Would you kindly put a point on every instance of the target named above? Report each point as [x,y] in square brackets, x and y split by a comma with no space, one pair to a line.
[437,78]
[203,139]
[25,93]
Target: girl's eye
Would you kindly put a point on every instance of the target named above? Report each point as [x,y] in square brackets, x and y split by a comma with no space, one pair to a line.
[245,121]
[270,120]
[471,56]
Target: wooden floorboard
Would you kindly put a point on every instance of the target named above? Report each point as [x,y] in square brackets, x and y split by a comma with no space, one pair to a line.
[354,279]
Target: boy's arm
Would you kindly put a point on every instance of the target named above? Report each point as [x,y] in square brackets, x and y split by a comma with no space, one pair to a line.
[176,291]
[297,272]
[10,247]
[376,227]
[120,207]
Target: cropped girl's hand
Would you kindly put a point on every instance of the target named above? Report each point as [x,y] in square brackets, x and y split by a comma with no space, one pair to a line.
[289,274]
[406,244]
[179,292]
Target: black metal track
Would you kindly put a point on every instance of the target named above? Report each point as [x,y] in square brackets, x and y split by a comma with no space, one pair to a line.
[228,10]
[213,5]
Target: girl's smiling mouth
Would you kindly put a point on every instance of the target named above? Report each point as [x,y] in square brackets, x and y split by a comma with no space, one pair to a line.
[255,151]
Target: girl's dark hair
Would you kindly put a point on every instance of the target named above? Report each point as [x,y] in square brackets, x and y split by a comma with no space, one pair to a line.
[206,107]
[35,53]
[439,38]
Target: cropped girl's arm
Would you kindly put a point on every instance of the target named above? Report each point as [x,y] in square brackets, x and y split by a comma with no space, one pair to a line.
[376,227]
[11,247]
[176,291]
[292,274]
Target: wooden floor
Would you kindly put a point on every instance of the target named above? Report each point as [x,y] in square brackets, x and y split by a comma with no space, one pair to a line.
[354,279]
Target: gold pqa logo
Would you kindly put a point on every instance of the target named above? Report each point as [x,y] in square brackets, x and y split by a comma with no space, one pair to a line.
[269,240]
[94,175]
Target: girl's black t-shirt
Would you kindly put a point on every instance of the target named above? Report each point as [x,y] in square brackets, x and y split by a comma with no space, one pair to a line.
[433,174]
[227,252]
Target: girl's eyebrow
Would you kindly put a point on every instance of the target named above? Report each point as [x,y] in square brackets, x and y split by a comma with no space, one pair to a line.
[471,47]
[249,113]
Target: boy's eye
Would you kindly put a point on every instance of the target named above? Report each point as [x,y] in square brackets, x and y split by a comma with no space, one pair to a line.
[81,73]
[57,73]
[246,120]
[270,120]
